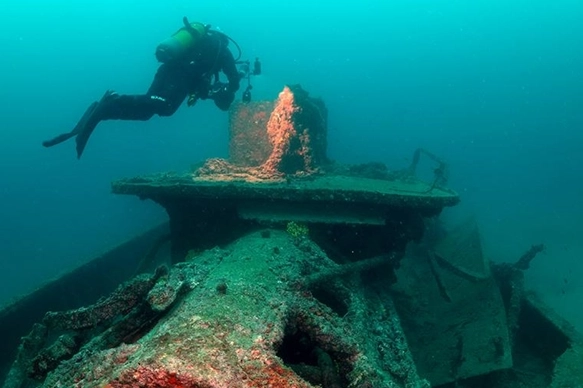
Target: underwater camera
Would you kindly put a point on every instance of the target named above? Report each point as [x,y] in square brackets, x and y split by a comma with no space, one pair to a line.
[245,71]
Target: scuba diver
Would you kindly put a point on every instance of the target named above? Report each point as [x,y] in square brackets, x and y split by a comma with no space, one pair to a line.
[192,59]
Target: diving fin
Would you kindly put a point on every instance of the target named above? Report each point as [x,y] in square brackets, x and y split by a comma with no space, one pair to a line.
[66,136]
[86,130]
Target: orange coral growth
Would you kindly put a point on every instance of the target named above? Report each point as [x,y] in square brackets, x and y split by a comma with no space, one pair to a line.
[294,124]
[288,141]
[281,130]
[146,376]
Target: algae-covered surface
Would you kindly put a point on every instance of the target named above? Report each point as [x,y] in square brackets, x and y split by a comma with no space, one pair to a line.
[319,188]
[243,316]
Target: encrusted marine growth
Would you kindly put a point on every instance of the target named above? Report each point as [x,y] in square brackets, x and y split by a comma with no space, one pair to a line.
[249,145]
[123,317]
[274,140]
[272,326]
[297,132]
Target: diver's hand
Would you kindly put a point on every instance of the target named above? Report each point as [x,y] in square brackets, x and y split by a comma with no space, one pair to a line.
[222,95]
[192,99]
[218,88]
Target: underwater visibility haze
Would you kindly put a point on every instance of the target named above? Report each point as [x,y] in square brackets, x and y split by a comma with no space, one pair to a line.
[492,87]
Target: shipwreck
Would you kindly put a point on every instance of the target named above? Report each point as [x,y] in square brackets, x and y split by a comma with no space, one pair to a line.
[281,268]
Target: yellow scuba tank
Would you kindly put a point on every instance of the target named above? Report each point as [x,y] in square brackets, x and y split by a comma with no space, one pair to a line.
[181,42]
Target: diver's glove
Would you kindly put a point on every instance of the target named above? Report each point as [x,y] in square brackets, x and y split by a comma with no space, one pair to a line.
[192,99]
[222,95]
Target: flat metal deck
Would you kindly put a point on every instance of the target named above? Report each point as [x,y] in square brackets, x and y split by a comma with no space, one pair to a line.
[334,191]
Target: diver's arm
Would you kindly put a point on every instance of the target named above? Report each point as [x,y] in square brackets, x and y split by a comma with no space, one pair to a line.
[230,69]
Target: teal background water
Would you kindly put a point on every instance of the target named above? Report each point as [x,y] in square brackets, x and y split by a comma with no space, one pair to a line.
[494,87]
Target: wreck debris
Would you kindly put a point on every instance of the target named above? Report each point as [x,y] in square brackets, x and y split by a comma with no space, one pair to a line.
[322,278]
[461,252]
[263,332]
[47,359]
[524,262]
[121,302]
[436,274]
[122,317]
[441,172]
[494,333]
[452,309]
[169,288]
[511,281]
[306,307]
[510,278]
[82,286]
[350,211]
[31,345]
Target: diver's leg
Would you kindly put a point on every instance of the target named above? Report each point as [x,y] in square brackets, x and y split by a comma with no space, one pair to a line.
[164,97]
[118,107]
[167,92]
[66,136]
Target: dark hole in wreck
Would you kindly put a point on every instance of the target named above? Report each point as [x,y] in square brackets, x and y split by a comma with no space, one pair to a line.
[332,299]
[302,355]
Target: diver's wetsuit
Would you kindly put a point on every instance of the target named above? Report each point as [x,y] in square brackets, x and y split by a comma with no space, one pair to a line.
[173,82]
